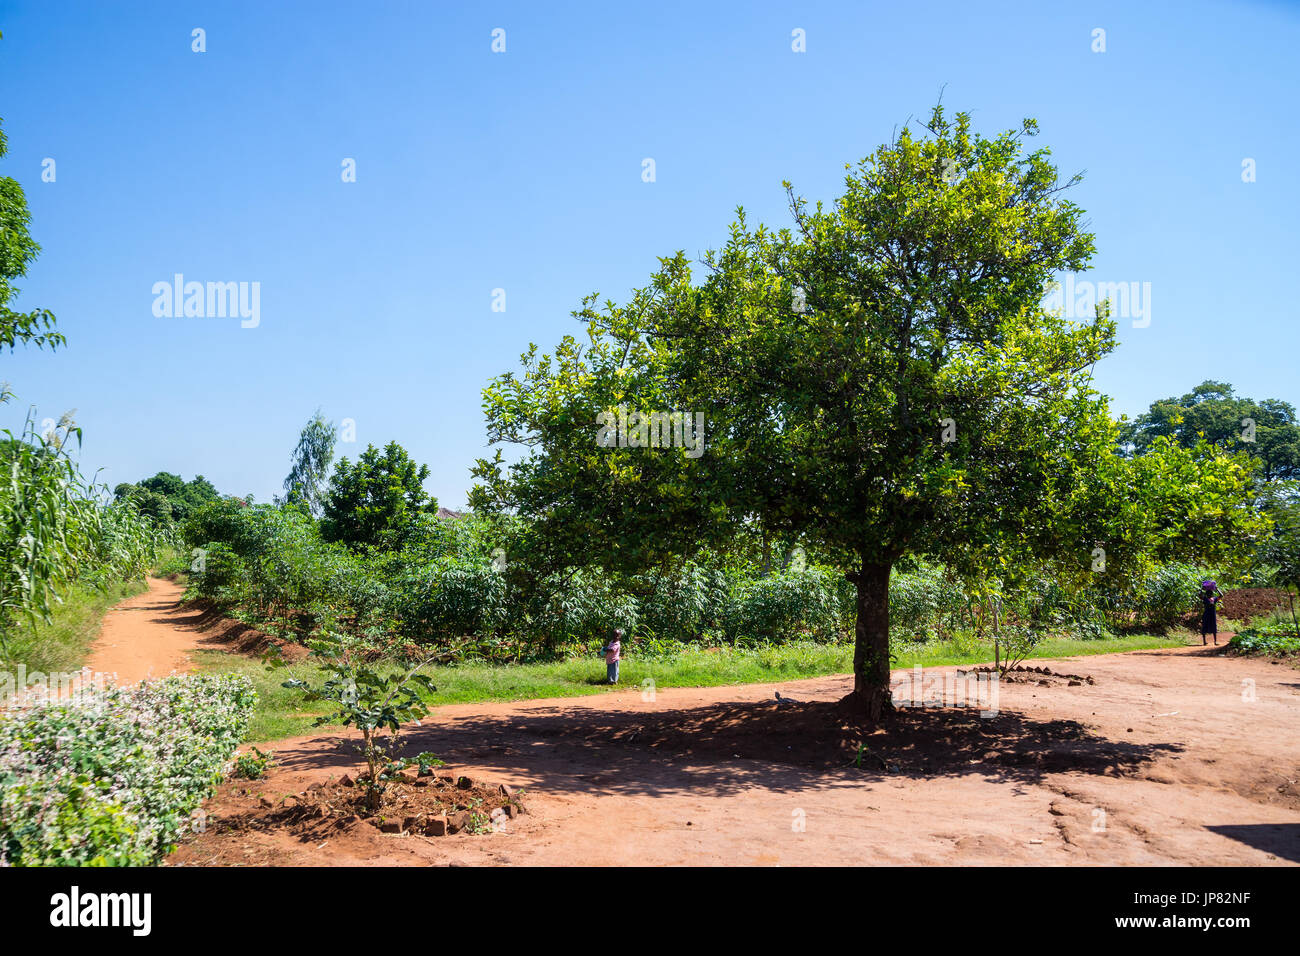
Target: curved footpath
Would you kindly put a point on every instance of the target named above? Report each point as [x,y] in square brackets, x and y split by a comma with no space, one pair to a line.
[143,637]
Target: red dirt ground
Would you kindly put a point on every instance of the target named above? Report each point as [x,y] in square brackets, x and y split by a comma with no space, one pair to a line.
[1182,756]
[143,637]
[1162,759]
[152,635]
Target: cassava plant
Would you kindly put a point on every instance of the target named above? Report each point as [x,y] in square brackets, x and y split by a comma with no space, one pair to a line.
[373,693]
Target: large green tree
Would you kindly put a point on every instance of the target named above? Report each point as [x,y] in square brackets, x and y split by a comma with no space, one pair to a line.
[167,496]
[1212,412]
[879,381]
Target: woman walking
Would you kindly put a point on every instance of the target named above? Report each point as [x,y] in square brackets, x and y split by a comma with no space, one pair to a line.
[1210,598]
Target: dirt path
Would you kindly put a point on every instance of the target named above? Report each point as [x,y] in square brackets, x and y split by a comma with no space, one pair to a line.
[148,635]
[1173,756]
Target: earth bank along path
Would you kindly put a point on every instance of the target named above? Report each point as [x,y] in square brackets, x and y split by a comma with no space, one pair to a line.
[1177,756]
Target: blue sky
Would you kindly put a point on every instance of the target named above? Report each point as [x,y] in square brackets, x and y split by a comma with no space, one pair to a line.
[522,171]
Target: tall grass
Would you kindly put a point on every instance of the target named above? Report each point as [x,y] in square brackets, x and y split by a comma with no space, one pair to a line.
[57,533]
[62,643]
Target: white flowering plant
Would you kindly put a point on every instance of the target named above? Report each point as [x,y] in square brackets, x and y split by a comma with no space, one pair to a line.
[111,778]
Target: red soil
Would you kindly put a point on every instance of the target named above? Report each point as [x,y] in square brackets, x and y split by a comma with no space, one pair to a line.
[1163,758]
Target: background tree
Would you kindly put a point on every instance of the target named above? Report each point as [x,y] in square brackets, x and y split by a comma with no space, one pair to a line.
[151,504]
[1280,553]
[1214,413]
[375,499]
[310,465]
[17,251]
[166,495]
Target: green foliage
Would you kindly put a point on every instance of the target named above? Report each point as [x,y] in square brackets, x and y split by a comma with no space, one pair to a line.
[364,693]
[1280,552]
[55,530]
[427,762]
[449,599]
[793,604]
[110,778]
[375,500]
[827,358]
[166,497]
[253,764]
[17,251]
[1213,413]
[582,606]
[1275,641]
[310,465]
[925,601]
[274,562]
[686,603]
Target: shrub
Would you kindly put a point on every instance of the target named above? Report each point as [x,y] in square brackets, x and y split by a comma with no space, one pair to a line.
[221,576]
[371,697]
[1167,593]
[253,764]
[1275,640]
[682,605]
[794,603]
[583,606]
[921,600]
[450,600]
[109,778]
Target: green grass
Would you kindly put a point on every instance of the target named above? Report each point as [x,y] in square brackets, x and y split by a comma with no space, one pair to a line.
[61,645]
[282,713]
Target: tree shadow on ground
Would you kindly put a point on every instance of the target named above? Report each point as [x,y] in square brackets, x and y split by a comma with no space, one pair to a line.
[729,747]
[1280,839]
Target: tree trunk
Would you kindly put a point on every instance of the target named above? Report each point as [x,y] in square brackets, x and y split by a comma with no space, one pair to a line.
[870,695]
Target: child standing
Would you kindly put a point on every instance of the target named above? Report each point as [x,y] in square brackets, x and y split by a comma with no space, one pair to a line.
[612,652]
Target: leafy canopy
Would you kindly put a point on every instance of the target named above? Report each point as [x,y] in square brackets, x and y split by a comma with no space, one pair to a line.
[310,465]
[17,251]
[1214,413]
[375,499]
[880,380]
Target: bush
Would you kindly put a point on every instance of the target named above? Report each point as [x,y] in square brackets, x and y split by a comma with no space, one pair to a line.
[795,603]
[253,764]
[1167,593]
[921,600]
[583,606]
[682,605]
[1275,640]
[221,576]
[450,600]
[111,777]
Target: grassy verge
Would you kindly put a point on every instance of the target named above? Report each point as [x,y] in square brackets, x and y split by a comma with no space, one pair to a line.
[63,643]
[282,713]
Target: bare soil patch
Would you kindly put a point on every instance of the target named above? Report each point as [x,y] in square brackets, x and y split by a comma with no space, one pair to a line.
[1180,756]
[435,805]
[1242,604]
